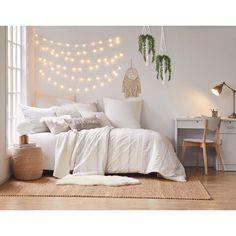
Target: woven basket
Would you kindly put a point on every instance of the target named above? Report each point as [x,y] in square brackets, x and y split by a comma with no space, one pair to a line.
[27,163]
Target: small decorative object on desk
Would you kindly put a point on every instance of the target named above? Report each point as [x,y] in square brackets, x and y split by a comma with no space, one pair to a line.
[214,113]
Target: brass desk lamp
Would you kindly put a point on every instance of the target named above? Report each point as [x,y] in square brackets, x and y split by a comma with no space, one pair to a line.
[217,91]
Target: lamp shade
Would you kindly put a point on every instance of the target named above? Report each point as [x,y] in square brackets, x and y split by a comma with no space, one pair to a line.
[217,89]
[24,127]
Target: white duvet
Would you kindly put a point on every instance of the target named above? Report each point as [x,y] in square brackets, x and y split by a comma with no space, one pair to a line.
[114,150]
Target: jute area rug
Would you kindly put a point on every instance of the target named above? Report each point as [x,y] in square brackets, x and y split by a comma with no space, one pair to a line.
[150,187]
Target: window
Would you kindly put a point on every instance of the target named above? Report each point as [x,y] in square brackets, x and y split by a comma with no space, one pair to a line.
[16,77]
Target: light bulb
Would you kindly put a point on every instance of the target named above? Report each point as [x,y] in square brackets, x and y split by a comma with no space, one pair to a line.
[72,77]
[62,53]
[89,79]
[66,58]
[81,79]
[63,68]
[109,40]
[44,39]
[94,50]
[90,68]
[93,43]
[55,83]
[49,79]
[82,61]
[80,69]
[78,53]
[62,86]
[70,89]
[65,76]
[96,66]
[105,75]
[76,45]
[94,87]
[107,63]
[58,72]
[58,44]
[40,59]
[109,79]
[116,56]
[52,68]
[100,42]
[36,42]
[68,53]
[112,60]
[57,55]
[77,90]
[84,52]
[58,66]
[67,44]
[73,69]
[99,60]
[86,89]
[97,78]
[84,45]
[105,59]
[51,41]
[110,45]
[88,61]
[72,60]
[101,84]
[36,35]
[121,54]
[101,49]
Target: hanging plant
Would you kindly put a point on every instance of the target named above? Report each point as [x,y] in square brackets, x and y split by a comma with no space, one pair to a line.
[146,47]
[163,67]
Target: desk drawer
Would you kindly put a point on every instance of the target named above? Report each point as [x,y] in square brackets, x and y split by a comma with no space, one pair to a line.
[190,124]
[228,127]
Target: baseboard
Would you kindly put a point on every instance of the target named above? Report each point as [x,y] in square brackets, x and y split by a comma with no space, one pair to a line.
[3,180]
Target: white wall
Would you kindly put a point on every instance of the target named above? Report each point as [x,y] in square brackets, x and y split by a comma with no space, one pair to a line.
[4,162]
[201,58]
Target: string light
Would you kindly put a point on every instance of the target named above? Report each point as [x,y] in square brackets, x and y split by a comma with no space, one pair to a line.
[70,54]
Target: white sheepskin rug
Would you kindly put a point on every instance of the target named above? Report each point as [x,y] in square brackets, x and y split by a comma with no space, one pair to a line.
[109,180]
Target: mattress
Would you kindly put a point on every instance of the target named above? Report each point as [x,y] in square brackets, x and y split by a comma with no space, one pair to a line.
[47,141]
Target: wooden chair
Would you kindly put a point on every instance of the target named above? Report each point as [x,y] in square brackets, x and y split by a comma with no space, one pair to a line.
[212,124]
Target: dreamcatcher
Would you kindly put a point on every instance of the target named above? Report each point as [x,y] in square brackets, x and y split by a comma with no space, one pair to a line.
[131,86]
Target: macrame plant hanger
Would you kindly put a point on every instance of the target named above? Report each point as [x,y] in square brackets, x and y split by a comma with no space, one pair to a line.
[163,51]
[146,30]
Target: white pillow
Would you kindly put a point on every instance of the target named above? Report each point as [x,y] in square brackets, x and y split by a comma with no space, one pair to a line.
[56,125]
[62,111]
[100,115]
[123,114]
[44,101]
[34,114]
[92,106]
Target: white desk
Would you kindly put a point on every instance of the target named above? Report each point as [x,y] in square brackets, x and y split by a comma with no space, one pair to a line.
[227,136]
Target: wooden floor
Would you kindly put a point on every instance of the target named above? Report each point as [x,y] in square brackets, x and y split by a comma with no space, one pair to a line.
[221,187]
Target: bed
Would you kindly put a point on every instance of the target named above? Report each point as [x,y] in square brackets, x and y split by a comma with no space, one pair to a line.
[109,150]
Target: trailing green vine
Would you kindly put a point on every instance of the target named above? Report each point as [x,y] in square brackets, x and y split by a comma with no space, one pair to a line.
[163,66]
[146,44]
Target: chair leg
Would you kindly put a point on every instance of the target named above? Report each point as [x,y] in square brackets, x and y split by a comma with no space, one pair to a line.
[183,152]
[205,159]
[220,157]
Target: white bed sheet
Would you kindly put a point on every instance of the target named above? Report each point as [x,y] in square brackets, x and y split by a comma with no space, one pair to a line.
[47,141]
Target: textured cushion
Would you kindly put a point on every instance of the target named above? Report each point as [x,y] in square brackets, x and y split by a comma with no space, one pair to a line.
[56,125]
[123,114]
[92,106]
[100,115]
[34,114]
[83,123]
